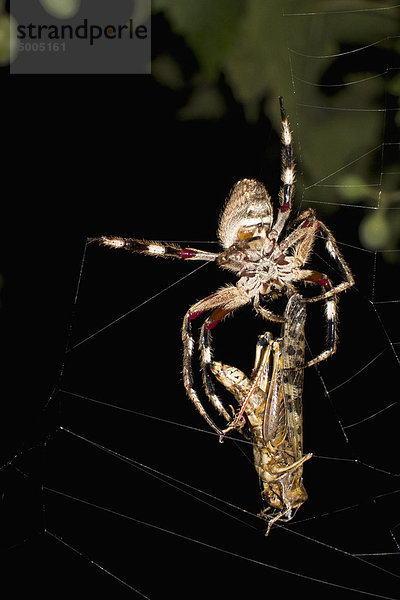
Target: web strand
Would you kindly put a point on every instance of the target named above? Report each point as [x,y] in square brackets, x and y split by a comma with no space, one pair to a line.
[218,549]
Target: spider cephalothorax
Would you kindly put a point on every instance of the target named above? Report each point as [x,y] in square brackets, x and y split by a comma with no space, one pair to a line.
[268,254]
[254,254]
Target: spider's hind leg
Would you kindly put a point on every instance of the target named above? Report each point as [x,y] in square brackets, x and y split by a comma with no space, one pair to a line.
[206,362]
[188,348]
[235,300]
[223,302]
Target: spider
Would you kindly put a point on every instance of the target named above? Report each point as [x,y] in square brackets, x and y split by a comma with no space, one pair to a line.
[268,255]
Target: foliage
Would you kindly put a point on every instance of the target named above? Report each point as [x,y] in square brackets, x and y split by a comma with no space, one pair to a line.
[336,59]
[335,64]
[61,9]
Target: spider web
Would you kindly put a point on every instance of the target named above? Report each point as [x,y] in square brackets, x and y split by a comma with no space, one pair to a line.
[127,492]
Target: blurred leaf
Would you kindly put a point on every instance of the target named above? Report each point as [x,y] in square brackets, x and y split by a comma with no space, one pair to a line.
[259,60]
[394,86]
[335,67]
[205,103]
[167,72]
[62,9]
[209,27]
[375,232]
[352,188]
[8,39]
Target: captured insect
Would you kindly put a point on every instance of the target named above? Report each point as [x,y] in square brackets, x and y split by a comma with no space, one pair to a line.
[268,255]
[272,402]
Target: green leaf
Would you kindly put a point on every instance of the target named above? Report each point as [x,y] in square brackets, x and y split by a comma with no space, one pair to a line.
[62,9]
[8,39]
[374,231]
[209,27]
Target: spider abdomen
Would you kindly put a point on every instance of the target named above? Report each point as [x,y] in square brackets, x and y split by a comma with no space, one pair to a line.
[248,209]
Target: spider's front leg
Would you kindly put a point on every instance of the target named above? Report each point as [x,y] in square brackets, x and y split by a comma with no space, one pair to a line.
[287,176]
[157,249]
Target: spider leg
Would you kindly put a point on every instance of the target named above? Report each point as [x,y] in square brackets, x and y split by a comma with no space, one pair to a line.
[266,313]
[302,238]
[224,301]
[206,362]
[188,346]
[310,225]
[331,313]
[158,249]
[333,250]
[288,176]
[235,301]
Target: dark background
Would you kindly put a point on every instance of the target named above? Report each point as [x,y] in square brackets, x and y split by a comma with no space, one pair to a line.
[91,156]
